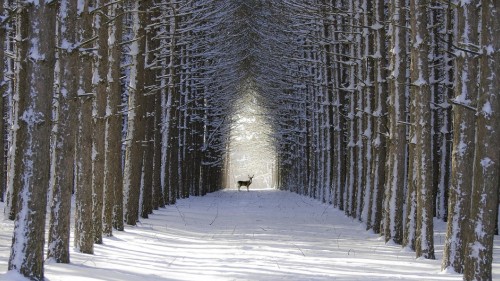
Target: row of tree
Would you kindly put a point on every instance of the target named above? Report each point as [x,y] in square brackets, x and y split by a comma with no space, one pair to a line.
[378,107]
[116,104]
[398,119]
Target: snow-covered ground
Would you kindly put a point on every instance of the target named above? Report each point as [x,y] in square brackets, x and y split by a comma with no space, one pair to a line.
[257,235]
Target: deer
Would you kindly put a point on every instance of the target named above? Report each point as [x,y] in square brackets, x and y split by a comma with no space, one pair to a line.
[245,183]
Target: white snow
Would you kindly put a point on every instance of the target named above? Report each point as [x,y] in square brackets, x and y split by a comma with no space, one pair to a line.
[486,162]
[487,109]
[420,82]
[34,52]
[490,50]
[418,41]
[258,235]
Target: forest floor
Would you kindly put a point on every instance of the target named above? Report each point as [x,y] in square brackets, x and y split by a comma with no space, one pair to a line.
[258,235]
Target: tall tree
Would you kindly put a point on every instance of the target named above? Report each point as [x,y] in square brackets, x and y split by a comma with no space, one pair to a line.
[9,84]
[421,96]
[12,190]
[149,119]
[380,115]
[62,182]
[36,26]
[135,130]
[3,91]
[84,233]
[113,177]
[484,203]
[352,184]
[158,198]
[396,161]
[466,72]
[99,70]
[172,112]
[368,96]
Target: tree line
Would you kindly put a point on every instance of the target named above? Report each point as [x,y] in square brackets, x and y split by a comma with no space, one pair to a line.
[397,120]
[386,109]
[111,103]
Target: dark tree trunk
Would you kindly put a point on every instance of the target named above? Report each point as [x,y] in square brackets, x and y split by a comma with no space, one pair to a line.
[34,101]
[84,232]
[62,180]
[484,203]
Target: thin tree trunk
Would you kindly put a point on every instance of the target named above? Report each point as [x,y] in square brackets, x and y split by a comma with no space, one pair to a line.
[421,120]
[99,87]
[62,184]
[173,112]
[9,105]
[158,199]
[380,116]
[368,97]
[3,91]
[21,50]
[135,131]
[396,160]
[113,177]
[84,233]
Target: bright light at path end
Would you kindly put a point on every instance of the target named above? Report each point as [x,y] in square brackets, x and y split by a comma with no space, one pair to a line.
[251,150]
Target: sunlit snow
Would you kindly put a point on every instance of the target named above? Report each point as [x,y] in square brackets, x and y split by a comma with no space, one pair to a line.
[263,234]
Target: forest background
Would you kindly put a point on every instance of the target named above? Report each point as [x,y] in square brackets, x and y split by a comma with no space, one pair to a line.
[388,110]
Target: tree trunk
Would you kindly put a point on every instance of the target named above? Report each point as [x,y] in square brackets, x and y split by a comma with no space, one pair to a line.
[158,199]
[99,88]
[173,113]
[113,177]
[466,72]
[484,208]
[340,121]
[13,162]
[3,91]
[149,145]
[396,160]
[36,25]
[421,95]
[380,116]
[84,233]
[62,183]
[368,97]
[135,131]
[9,105]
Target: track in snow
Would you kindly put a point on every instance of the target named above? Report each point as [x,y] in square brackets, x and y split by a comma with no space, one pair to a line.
[257,235]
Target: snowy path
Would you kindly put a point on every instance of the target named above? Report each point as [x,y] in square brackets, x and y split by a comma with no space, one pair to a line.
[256,235]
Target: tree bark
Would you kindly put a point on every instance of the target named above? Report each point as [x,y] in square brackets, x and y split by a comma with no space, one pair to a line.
[113,176]
[62,183]
[3,91]
[396,161]
[466,72]
[36,26]
[380,116]
[84,233]
[135,131]
[98,115]
[173,113]
[368,97]
[484,203]
[421,95]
